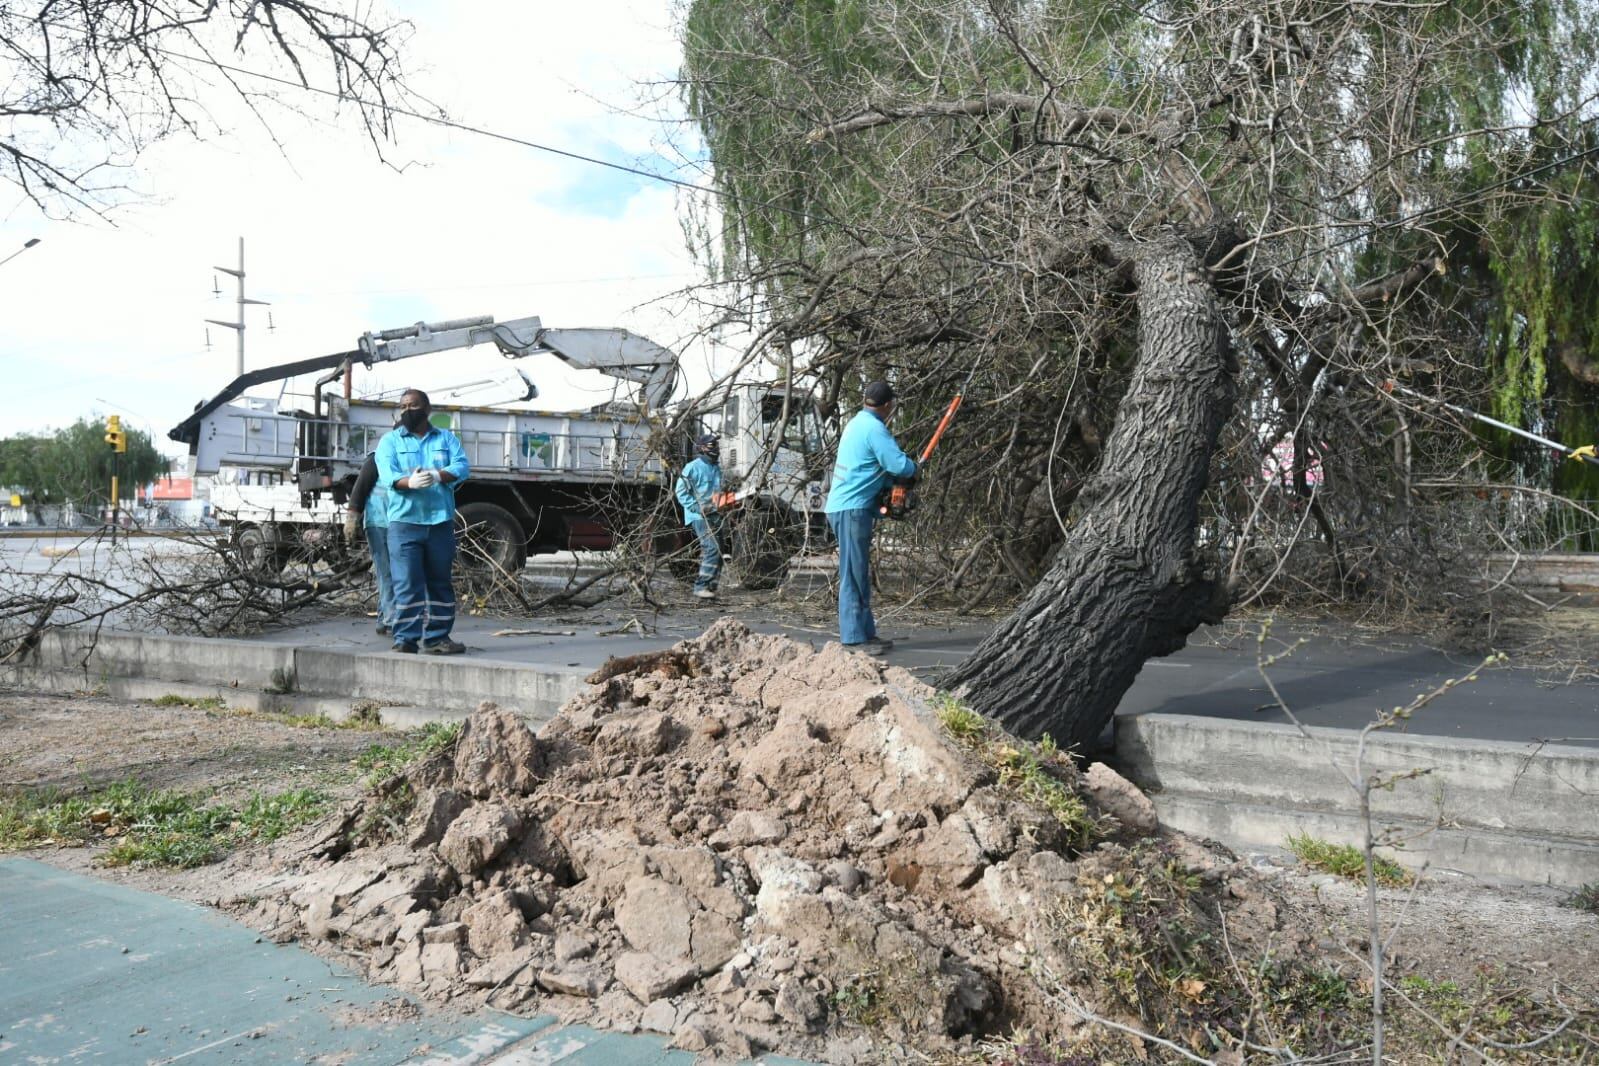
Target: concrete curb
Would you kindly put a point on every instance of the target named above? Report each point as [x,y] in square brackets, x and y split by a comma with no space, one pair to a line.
[1486,808]
[410,690]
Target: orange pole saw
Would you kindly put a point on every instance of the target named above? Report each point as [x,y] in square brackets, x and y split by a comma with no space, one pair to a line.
[899,499]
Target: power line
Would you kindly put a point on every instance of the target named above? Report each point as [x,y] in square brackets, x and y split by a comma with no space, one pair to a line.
[440,120]
[514,283]
[481,131]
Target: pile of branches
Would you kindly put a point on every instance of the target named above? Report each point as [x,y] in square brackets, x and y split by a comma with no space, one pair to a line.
[181,582]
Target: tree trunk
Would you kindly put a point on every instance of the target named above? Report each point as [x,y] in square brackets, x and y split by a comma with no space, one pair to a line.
[1127,583]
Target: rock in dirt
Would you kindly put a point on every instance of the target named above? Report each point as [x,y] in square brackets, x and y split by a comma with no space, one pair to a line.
[495,924]
[496,753]
[799,1005]
[1121,799]
[571,945]
[478,836]
[650,978]
[691,1038]
[666,921]
[585,979]
[640,734]
[432,815]
[750,827]
[501,968]
[659,1017]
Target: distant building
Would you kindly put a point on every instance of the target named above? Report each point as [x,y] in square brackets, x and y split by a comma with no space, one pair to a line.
[174,501]
[168,489]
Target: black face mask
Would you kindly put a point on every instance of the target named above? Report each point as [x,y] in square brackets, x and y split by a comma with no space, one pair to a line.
[712,456]
[415,420]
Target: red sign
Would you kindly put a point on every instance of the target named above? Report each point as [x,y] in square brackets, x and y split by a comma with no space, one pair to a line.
[173,488]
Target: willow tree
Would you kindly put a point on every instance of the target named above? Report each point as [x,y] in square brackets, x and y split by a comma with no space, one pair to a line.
[1199,255]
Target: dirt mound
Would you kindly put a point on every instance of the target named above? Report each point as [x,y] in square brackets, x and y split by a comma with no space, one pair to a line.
[747,845]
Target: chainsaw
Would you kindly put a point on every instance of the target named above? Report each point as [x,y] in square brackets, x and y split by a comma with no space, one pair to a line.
[898,500]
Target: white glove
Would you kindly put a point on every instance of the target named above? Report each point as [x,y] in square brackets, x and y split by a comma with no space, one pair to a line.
[423,478]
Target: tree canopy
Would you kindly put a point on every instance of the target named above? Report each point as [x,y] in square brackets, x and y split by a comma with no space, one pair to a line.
[73,465]
[912,187]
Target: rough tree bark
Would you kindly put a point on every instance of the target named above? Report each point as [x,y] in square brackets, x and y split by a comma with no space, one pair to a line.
[1127,583]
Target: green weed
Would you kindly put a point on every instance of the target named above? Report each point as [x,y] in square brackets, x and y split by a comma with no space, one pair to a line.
[384,815]
[383,761]
[156,827]
[1586,898]
[1025,769]
[1346,860]
[363,722]
[857,999]
[1322,990]
[960,721]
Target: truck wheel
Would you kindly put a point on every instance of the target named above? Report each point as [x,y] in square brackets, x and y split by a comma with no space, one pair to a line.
[762,548]
[259,550]
[490,542]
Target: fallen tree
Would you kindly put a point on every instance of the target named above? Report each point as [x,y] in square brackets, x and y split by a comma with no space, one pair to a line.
[1188,248]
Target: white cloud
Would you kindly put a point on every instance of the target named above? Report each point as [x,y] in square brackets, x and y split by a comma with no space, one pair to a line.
[102,318]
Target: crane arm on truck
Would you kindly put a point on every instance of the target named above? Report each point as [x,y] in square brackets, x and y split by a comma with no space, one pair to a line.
[616,352]
[188,431]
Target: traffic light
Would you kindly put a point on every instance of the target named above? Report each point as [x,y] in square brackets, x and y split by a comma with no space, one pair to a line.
[114,435]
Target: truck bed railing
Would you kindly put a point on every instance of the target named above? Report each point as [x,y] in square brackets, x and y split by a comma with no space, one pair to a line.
[615,454]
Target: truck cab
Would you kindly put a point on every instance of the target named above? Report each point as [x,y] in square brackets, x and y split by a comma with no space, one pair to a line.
[776,459]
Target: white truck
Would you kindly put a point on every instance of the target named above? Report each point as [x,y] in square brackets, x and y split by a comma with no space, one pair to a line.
[541,482]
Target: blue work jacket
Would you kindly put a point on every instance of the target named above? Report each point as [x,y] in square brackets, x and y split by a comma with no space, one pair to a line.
[696,485]
[399,453]
[376,514]
[868,459]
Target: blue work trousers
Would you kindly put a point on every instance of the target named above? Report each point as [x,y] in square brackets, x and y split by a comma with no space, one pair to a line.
[710,552]
[377,542]
[853,529]
[424,601]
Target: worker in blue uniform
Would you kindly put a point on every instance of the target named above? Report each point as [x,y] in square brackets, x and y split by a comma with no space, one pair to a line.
[369,508]
[869,461]
[698,489]
[421,465]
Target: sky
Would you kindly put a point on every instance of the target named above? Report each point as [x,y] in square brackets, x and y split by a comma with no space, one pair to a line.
[106,317]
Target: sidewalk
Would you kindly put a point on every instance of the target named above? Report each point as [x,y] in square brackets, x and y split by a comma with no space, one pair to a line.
[94,971]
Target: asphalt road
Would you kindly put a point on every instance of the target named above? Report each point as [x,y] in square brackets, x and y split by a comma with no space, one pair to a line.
[1335,679]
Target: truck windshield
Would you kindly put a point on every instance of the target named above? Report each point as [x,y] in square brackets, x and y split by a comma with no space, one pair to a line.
[803,431]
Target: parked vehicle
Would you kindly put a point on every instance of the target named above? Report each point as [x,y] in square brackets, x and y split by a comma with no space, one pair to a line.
[541,482]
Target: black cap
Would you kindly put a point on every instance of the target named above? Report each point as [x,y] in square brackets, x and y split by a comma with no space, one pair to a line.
[878,393]
[705,440]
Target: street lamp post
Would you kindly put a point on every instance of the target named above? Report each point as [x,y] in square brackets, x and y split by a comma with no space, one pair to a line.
[31,241]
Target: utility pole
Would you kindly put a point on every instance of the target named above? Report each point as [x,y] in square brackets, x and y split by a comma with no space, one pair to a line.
[238,327]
